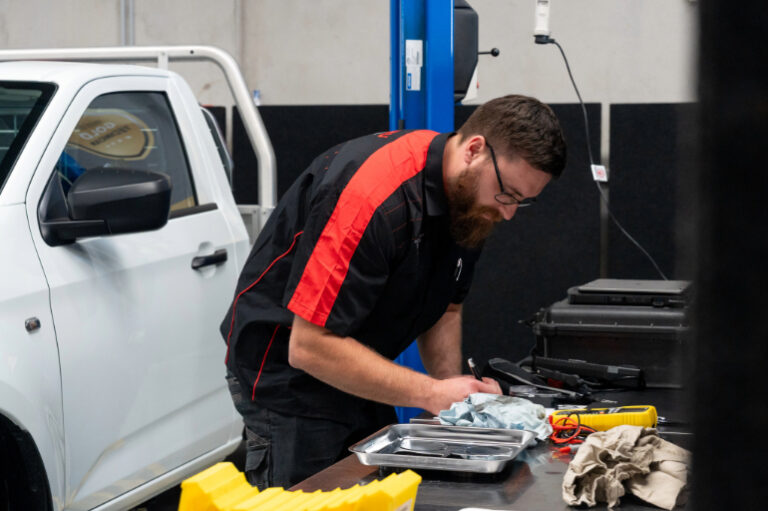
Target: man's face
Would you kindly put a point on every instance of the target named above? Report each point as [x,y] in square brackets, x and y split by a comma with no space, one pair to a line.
[472,195]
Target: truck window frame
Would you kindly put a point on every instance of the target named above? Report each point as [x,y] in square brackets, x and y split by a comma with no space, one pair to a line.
[221,146]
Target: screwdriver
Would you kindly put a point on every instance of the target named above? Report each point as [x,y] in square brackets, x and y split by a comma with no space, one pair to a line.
[473,369]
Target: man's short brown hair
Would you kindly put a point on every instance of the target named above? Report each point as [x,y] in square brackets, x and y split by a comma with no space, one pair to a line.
[520,126]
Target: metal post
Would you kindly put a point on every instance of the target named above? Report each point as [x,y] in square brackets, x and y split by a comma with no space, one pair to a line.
[127,18]
[605,157]
[439,69]
[421,94]
[395,65]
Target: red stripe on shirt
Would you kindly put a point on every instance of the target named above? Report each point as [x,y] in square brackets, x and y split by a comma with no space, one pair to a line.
[263,360]
[376,179]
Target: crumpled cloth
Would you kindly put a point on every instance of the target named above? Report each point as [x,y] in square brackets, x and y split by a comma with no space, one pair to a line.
[627,458]
[497,411]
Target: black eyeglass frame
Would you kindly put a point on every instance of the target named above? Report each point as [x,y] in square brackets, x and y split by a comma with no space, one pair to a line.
[504,197]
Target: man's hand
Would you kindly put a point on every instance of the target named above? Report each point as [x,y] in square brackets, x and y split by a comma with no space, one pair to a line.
[446,392]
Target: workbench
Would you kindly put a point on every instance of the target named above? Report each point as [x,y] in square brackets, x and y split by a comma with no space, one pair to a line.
[531,482]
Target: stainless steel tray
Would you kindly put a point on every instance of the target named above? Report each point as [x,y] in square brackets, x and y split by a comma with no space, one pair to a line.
[437,447]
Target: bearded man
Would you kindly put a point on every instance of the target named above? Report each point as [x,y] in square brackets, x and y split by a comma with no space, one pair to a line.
[373,246]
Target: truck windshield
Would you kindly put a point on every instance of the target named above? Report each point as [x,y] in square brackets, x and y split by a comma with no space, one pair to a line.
[21,105]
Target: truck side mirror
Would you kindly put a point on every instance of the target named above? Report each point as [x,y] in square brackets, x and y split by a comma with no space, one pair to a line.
[105,201]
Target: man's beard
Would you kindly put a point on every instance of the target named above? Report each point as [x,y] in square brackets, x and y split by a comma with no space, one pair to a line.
[470,224]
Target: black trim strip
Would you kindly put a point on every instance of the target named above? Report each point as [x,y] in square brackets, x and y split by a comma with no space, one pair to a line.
[193,210]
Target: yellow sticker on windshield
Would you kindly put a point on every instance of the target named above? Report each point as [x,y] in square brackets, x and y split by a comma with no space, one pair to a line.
[113,133]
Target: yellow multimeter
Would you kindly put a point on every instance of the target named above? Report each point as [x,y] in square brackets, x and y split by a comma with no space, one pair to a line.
[602,419]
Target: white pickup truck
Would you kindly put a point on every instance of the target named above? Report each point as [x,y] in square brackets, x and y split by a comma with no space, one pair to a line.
[120,247]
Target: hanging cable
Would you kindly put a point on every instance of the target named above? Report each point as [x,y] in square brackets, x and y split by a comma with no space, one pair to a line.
[549,40]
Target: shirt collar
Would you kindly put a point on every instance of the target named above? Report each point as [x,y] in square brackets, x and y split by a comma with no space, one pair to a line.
[434,191]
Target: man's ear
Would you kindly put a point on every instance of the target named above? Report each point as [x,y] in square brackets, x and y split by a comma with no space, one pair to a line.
[474,147]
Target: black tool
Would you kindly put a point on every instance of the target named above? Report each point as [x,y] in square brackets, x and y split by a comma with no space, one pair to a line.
[584,376]
[514,373]
[613,374]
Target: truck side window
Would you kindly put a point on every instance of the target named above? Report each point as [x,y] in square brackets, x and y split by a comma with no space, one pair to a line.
[134,130]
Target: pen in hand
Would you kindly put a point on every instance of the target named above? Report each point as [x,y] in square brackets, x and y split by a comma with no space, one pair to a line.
[473,369]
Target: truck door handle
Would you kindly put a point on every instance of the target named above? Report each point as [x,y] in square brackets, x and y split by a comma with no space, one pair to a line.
[217,257]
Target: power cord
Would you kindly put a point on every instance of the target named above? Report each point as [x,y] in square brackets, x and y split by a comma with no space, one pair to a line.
[545,39]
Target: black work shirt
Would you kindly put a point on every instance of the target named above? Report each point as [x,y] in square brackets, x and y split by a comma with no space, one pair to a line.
[359,245]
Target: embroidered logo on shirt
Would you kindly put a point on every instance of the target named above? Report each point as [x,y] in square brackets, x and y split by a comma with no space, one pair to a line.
[459,266]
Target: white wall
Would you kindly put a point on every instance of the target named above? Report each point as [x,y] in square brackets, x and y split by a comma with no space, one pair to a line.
[50,23]
[337,51]
[620,51]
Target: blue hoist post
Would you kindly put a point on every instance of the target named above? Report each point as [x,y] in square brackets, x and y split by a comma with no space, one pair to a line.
[421,65]
[422,91]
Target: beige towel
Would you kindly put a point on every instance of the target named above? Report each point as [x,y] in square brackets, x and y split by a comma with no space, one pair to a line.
[627,458]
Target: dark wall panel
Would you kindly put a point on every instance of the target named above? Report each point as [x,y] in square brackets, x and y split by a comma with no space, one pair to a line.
[298,135]
[645,162]
[245,183]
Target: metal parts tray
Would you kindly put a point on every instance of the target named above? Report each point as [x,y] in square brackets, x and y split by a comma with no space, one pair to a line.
[437,447]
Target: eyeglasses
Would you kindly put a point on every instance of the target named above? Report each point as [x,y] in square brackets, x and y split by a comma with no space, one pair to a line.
[504,197]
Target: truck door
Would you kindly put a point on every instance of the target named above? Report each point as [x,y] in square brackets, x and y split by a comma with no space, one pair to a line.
[137,326]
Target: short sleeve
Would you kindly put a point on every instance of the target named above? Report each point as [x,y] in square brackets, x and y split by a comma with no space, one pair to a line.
[340,269]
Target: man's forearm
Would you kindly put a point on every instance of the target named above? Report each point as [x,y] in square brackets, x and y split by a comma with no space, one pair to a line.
[356,369]
[440,346]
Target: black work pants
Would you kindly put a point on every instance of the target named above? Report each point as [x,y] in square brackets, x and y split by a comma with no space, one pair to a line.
[283,450]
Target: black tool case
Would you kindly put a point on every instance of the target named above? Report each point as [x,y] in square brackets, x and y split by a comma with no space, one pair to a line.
[649,337]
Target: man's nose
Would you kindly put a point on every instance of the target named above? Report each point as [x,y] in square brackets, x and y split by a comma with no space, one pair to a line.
[508,211]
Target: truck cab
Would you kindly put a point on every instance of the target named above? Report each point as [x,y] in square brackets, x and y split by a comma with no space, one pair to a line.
[121,247]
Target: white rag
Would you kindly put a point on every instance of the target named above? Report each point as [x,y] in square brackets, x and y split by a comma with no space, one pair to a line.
[627,458]
[497,411]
